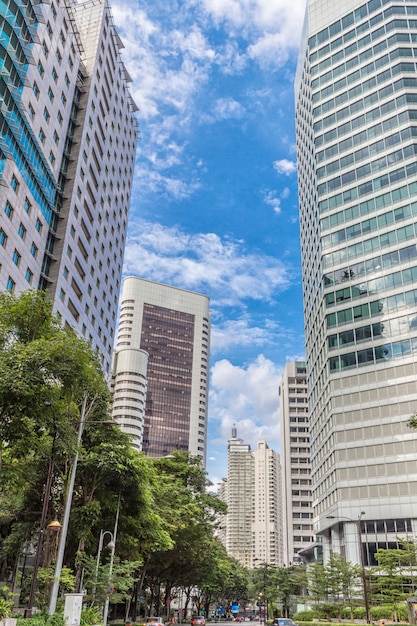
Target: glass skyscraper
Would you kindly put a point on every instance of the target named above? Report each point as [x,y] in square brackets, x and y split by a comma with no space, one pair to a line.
[356,121]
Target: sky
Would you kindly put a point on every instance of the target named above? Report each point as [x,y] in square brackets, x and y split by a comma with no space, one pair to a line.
[214,205]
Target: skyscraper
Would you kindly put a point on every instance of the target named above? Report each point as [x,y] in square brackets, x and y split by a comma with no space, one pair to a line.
[164,338]
[251,529]
[240,500]
[67,150]
[356,119]
[267,522]
[295,458]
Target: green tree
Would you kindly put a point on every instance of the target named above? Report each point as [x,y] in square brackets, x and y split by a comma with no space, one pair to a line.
[393,572]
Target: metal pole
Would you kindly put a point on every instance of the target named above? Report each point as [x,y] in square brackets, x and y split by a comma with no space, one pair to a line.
[106,604]
[100,547]
[67,511]
[362,563]
[45,505]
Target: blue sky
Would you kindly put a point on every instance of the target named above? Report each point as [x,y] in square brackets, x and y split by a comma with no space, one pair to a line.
[214,206]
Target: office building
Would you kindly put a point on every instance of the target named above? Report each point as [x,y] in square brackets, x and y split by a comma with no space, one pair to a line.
[356,122]
[163,344]
[251,530]
[295,459]
[67,151]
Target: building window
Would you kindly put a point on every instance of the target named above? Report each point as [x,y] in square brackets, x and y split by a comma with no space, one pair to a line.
[46,115]
[10,284]
[51,158]
[3,238]
[62,294]
[67,80]
[50,94]
[38,225]
[42,136]
[59,117]
[31,111]
[65,272]
[63,99]
[34,250]
[58,56]
[29,276]
[14,184]
[45,48]
[35,89]
[40,68]
[54,74]
[56,137]
[8,209]
[16,257]
[22,231]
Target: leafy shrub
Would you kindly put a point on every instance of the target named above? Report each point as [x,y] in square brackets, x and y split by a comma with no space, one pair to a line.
[304,616]
[91,615]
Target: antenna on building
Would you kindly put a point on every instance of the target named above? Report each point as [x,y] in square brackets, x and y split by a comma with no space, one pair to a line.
[234,432]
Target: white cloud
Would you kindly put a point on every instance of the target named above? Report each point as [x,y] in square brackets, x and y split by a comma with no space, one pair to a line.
[271,199]
[205,262]
[259,21]
[247,397]
[240,332]
[284,166]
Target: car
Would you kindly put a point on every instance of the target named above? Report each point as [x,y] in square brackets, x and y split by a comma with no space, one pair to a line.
[283,621]
[155,621]
[200,620]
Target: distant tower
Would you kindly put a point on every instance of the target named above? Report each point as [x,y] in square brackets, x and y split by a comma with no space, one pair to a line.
[240,501]
[251,531]
[295,457]
[267,523]
[162,351]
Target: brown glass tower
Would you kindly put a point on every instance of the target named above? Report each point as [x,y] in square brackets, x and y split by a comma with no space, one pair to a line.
[172,327]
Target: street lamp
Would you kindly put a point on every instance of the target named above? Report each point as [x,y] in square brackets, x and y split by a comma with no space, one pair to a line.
[112,545]
[67,509]
[264,594]
[357,523]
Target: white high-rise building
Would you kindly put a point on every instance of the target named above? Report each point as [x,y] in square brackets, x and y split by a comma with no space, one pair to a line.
[356,119]
[67,152]
[160,368]
[251,530]
[295,459]
[240,500]
[267,522]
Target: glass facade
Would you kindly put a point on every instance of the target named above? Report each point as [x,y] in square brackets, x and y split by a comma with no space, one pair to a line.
[356,119]
[168,337]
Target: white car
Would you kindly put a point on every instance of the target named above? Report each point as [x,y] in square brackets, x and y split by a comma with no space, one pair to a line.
[155,621]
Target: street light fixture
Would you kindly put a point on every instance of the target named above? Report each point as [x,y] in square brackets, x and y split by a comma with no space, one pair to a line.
[67,509]
[357,523]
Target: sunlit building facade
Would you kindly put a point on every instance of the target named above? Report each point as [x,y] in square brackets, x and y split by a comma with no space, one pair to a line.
[67,150]
[295,459]
[356,121]
[163,343]
[251,529]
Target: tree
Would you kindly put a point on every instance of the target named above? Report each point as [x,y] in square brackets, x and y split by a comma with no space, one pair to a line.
[394,568]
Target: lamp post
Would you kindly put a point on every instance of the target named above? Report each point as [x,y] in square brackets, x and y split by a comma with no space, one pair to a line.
[357,523]
[113,547]
[110,545]
[67,509]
